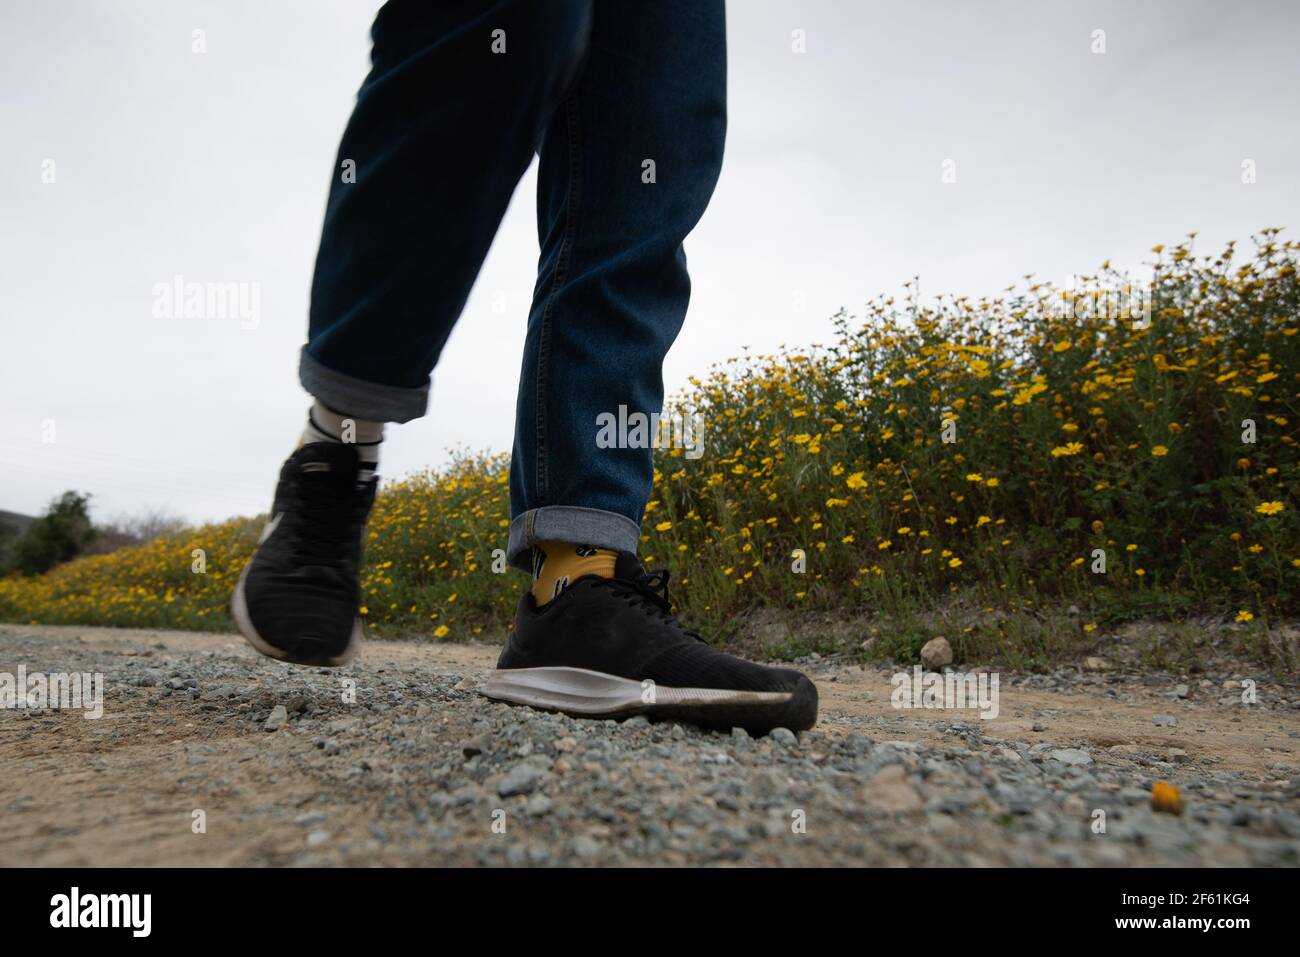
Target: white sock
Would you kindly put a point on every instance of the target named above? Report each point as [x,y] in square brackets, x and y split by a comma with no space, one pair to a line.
[326,425]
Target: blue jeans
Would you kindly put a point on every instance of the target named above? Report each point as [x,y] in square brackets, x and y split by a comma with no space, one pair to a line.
[625,103]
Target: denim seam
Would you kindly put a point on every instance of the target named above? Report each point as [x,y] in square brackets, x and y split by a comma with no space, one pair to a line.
[559,274]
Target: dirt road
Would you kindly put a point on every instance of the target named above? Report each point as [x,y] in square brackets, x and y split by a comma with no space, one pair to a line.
[208,754]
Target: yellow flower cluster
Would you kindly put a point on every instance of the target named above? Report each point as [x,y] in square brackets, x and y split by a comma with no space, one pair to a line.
[1014,448]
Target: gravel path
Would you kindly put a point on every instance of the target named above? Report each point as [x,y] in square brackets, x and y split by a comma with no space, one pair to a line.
[210,754]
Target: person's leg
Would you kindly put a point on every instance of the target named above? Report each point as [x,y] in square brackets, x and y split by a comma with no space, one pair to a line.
[627,167]
[444,125]
[628,164]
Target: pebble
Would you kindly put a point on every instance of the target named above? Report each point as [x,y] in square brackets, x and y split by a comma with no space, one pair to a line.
[1074,756]
[278,718]
[585,848]
[538,805]
[523,778]
[784,737]
[891,792]
[936,653]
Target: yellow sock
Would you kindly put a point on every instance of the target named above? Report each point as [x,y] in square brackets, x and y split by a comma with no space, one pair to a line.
[557,564]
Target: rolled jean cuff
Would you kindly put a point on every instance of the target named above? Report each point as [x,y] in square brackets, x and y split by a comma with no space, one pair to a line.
[365,400]
[569,523]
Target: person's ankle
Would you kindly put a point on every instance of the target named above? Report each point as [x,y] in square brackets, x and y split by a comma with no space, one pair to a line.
[327,425]
[557,565]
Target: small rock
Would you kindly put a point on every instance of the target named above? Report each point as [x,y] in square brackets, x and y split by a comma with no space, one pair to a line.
[467,794]
[317,838]
[936,653]
[1070,756]
[538,805]
[278,719]
[858,743]
[1182,691]
[1093,663]
[523,778]
[784,737]
[1164,720]
[890,791]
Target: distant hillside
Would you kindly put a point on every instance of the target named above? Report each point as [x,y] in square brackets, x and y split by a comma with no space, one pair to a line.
[15,521]
[12,525]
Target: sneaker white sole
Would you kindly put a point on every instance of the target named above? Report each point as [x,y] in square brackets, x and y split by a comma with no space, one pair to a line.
[596,694]
[239,610]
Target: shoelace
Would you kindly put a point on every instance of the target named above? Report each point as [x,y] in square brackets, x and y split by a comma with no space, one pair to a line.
[650,590]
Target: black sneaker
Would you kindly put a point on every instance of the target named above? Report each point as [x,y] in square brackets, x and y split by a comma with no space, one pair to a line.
[610,647]
[297,599]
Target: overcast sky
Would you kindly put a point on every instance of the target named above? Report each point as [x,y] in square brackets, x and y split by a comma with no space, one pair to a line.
[214,166]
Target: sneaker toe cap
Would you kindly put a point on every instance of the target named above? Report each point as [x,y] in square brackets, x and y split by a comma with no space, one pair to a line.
[308,630]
